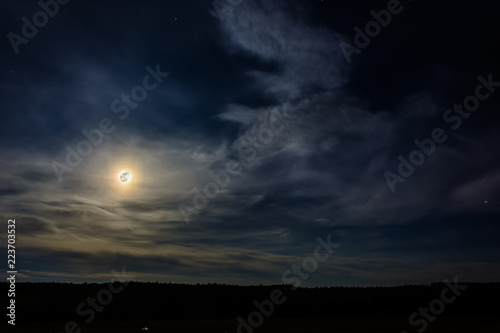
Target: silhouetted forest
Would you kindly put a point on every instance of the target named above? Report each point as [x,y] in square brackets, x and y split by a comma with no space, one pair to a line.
[138,301]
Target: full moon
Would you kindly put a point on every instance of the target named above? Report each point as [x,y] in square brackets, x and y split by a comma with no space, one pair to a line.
[125,176]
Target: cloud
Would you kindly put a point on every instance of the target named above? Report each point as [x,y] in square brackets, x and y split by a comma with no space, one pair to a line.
[470,194]
[308,58]
[322,174]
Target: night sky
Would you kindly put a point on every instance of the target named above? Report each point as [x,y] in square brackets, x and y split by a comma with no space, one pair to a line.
[249,133]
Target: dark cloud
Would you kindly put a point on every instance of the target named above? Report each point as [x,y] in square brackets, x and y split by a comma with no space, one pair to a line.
[12,191]
[32,225]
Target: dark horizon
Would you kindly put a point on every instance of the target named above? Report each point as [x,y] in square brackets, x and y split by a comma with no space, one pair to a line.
[129,306]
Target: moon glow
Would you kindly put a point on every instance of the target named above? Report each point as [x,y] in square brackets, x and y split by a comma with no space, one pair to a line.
[125,176]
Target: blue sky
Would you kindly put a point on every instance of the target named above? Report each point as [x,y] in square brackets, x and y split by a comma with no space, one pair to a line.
[269,91]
